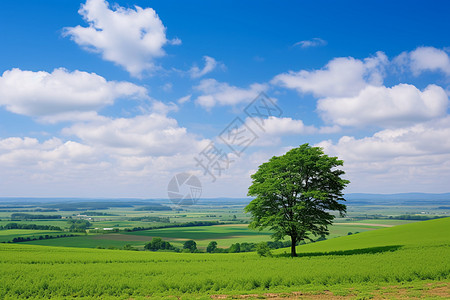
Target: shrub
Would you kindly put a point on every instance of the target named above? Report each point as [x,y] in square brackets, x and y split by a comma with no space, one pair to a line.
[263,249]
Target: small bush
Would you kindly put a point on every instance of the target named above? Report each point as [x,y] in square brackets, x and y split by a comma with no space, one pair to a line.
[263,249]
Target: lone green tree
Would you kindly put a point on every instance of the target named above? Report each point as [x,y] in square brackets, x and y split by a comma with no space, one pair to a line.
[295,194]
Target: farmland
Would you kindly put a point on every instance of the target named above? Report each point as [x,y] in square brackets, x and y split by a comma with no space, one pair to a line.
[123,215]
[366,255]
[7,235]
[225,235]
[412,257]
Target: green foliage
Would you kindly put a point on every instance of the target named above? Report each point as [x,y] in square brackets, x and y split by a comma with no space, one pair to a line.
[41,237]
[129,247]
[295,194]
[211,247]
[24,216]
[154,207]
[190,245]
[89,205]
[235,248]
[151,219]
[158,244]
[263,249]
[78,225]
[30,226]
[96,213]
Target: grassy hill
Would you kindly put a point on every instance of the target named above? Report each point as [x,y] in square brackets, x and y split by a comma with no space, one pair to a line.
[412,258]
[427,233]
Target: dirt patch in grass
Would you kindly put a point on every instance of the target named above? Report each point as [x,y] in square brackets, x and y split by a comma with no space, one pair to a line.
[286,296]
[440,290]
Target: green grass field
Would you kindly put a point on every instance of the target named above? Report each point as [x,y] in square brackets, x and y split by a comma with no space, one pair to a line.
[412,258]
[59,223]
[425,233]
[8,235]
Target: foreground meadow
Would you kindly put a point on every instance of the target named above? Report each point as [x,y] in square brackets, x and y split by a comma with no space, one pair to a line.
[413,257]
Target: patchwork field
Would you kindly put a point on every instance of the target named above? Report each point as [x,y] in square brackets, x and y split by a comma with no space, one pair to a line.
[225,235]
[411,258]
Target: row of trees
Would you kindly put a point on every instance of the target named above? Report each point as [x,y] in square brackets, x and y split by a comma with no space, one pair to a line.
[173,225]
[41,237]
[157,244]
[23,216]
[29,226]
[151,219]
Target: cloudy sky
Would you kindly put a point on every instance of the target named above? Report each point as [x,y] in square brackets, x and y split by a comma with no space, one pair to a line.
[112,99]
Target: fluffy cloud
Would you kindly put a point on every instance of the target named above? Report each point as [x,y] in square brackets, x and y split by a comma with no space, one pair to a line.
[221,93]
[114,157]
[131,38]
[270,131]
[382,106]
[414,158]
[29,153]
[315,42]
[285,126]
[145,135]
[210,65]
[425,59]
[61,95]
[341,77]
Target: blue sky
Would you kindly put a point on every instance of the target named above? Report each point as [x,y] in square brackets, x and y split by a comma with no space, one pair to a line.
[112,99]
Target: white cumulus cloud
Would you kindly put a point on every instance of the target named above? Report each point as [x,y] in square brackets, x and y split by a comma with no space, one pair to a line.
[144,135]
[425,59]
[29,153]
[221,93]
[131,38]
[413,158]
[61,95]
[378,105]
[342,76]
[286,126]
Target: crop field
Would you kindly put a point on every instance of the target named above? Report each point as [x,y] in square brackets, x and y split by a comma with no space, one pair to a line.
[59,223]
[225,235]
[8,235]
[89,241]
[413,258]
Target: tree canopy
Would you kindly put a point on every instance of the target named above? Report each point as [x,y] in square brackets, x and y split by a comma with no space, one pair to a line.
[191,245]
[295,194]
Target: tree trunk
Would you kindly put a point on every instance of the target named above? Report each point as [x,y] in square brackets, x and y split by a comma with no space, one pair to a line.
[293,242]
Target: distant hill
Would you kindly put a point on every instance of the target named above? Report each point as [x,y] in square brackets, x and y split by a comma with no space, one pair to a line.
[399,199]
[352,198]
